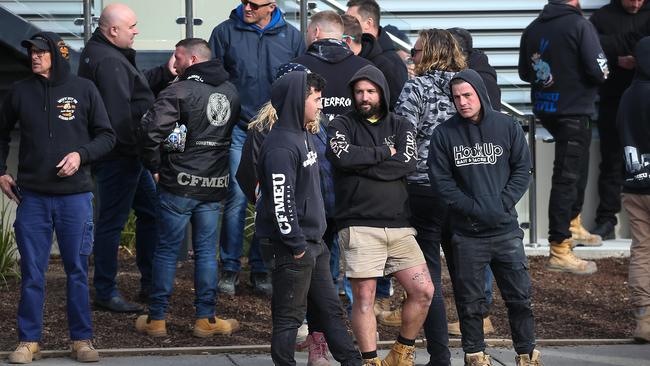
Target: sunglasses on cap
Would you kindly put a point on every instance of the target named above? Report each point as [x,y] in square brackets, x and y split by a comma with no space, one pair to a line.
[255,6]
[414,51]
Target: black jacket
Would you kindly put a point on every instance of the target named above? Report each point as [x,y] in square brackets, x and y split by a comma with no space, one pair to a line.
[560,56]
[290,209]
[390,64]
[58,115]
[369,183]
[333,60]
[478,61]
[208,105]
[612,20]
[127,92]
[480,170]
[633,122]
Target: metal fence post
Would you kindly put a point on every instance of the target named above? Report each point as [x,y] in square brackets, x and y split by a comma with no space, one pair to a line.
[532,191]
[88,20]
[189,18]
[303,17]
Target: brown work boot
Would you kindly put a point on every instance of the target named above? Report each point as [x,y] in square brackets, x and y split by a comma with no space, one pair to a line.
[454,328]
[154,328]
[391,318]
[526,360]
[562,259]
[83,351]
[381,305]
[25,353]
[477,359]
[208,326]
[642,331]
[371,362]
[400,355]
[581,236]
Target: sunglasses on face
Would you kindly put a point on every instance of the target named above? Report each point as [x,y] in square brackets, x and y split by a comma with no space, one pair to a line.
[253,5]
[414,51]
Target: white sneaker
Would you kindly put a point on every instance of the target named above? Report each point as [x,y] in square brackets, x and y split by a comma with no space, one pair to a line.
[303,331]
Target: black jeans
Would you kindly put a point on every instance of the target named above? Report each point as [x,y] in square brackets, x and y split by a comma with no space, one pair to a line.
[505,256]
[610,179]
[297,284]
[570,169]
[429,217]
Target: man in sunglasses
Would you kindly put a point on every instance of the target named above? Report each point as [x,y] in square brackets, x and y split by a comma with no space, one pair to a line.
[252,44]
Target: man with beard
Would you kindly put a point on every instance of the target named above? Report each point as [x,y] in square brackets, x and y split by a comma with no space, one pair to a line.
[372,151]
[192,176]
[291,215]
[611,21]
[561,57]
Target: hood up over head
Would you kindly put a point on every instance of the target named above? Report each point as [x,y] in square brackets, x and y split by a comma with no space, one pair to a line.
[374,75]
[59,51]
[474,79]
[288,98]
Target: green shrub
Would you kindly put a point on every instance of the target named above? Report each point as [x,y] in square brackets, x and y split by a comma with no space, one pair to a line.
[127,238]
[8,250]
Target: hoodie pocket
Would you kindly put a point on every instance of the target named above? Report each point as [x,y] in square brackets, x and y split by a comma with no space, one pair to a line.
[490,210]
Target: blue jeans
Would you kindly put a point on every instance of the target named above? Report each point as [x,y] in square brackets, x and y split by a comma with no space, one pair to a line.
[122,184]
[175,213]
[232,226]
[505,255]
[71,217]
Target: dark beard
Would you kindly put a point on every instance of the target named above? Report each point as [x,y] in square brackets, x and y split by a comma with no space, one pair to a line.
[374,111]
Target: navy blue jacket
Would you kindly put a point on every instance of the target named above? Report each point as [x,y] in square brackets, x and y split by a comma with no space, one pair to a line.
[290,209]
[560,55]
[252,56]
[481,170]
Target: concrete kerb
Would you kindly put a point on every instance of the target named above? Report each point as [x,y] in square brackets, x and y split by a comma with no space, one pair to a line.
[266,348]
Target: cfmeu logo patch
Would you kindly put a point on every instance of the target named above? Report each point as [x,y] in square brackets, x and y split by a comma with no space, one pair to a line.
[67,107]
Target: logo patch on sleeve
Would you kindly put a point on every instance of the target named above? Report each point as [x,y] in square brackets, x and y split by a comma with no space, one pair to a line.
[67,107]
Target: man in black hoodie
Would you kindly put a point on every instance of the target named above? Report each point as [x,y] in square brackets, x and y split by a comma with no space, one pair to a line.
[378,47]
[616,18]
[479,164]
[192,177]
[122,182]
[562,59]
[633,122]
[291,215]
[63,128]
[372,151]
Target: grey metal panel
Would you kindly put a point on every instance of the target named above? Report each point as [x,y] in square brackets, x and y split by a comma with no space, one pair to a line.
[396,6]
[45,8]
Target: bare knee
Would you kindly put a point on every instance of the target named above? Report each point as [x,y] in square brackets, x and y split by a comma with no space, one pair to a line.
[364,298]
[421,289]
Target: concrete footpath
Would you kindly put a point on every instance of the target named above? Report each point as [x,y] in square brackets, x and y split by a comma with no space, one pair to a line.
[592,355]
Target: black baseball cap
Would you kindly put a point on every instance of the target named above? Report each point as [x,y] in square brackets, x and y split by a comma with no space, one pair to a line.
[38,42]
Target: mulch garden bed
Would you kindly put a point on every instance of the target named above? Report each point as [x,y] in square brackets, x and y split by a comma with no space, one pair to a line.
[566,307]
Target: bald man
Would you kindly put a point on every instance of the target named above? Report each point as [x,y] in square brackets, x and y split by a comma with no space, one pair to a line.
[122,182]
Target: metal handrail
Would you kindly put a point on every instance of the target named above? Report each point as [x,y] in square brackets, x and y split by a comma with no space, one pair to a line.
[530,123]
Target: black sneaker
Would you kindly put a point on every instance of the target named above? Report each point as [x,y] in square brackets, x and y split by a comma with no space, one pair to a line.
[229,280]
[605,230]
[261,283]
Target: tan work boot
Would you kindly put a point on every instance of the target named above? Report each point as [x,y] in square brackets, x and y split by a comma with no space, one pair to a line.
[381,305]
[371,362]
[208,326]
[562,259]
[154,328]
[454,328]
[642,330]
[83,351]
[526,360]
[391,318]
[400,355]
[25,353]
[581,236]
[477,359]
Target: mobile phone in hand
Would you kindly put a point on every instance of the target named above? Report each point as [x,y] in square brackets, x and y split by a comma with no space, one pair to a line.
[16,191]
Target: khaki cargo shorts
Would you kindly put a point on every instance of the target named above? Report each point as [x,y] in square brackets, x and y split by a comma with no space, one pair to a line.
[375,252]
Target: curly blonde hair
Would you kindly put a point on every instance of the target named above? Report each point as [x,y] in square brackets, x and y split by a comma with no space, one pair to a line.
[440,51]
[267,116]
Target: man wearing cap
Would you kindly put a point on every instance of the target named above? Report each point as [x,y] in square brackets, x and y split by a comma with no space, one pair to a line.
[63,128]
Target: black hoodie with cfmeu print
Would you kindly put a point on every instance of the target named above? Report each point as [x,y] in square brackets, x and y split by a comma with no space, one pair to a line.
[58,115]
[633,122]
[369,183]
[481,170]
[290,209]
